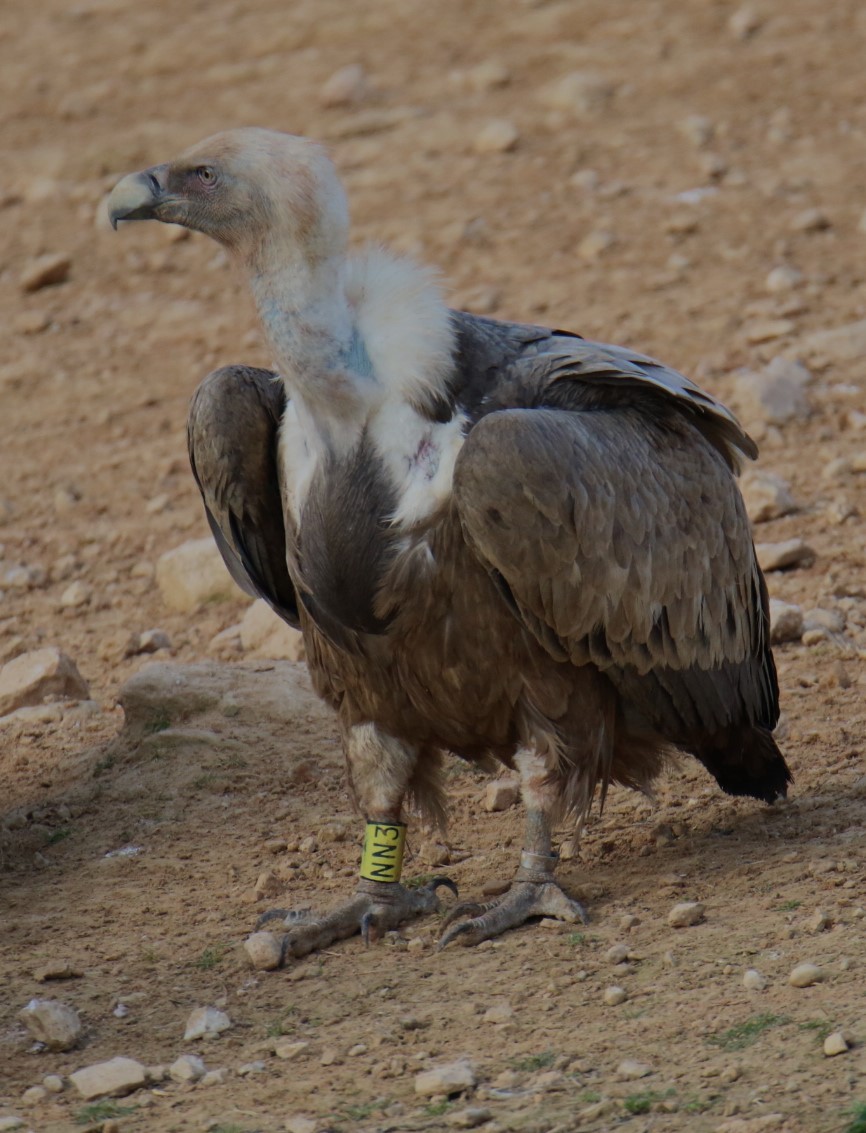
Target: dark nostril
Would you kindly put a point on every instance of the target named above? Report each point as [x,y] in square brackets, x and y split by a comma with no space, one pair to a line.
[155,186]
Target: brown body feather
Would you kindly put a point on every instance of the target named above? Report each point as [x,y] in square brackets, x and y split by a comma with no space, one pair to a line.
[589,590]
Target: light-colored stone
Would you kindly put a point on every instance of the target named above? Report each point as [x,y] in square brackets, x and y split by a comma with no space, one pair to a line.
[115,1078]
[744,22]
[783,278]
[51,1022]
[846,343]
[205,1022]
[617,954]
[784,556]
[53,1083]
[579,93]
[776,394]
[345,87]
[499,135]
[58,969]
[215,1077]
[811,220]
[595,244]
[499,1013]
[767,330]
[22,577]
[697,129]
[449,1078]
[753,980]
[805,975]
[45,270]
[192,574]
[832,621]
[187,1068]
[11,1121]
[487,76]
[469,1118]
[300,1123]
[265,634]
[501,794]
[835,1044]
[686,913]
[630,1069]
[32,677]
[76,595]
[290,1050]
[766,495]
[148,641]
[786,622]
[265,950]
[614,996]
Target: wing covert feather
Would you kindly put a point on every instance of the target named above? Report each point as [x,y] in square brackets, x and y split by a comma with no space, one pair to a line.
[624,536]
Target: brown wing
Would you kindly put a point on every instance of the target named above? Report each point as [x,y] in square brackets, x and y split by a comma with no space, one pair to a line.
[619,535]
[232,431]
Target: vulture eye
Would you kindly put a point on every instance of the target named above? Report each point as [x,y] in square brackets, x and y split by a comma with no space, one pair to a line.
[206,174]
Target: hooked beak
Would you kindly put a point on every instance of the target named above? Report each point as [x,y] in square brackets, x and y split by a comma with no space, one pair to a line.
[137,196]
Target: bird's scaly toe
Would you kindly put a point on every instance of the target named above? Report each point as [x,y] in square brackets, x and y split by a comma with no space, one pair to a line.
[525,899]
[375,908]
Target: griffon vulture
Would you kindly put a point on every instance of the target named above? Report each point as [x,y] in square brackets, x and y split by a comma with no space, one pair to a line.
[498,540]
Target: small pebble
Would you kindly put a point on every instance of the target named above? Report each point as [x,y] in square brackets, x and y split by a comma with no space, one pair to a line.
[51,1022]
[345,87]
[595,244]
[34,1096]
[630,1069]
[754,980]
[499,135]
[617,953]
[810,220]
[45,271]
[783,278]
[805,975]
[248,1068]
[835,1044]
[206,1022]
[187,1068]
[449,1078]
[501,794]
[614,996]
[499,1013]
[215,1077]
[469,1118]
[686,913]
[290,1050]
[818,922]
[53,1083]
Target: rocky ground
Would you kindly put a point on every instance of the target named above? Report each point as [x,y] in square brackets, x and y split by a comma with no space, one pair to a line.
[688,179]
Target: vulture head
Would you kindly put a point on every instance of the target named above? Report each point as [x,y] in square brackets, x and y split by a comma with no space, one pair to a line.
[265,196]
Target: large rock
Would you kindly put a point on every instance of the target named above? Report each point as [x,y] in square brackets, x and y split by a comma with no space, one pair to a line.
[194,573]
[113,1079]
[31,677]
[265,634]
[51,1022]
[786,622]
[206,1022]
[449,1078]
[784,556]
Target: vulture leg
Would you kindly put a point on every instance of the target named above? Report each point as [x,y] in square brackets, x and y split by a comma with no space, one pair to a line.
[380,770]
[533,893]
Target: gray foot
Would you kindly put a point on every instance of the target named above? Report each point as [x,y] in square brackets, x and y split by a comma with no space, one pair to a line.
[523,900]
[376,907]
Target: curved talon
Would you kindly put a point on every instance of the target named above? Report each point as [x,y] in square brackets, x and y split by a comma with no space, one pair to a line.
[454,932]
[368,922]
[466,909]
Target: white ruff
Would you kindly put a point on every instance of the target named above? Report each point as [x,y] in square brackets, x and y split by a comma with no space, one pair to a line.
[405,328]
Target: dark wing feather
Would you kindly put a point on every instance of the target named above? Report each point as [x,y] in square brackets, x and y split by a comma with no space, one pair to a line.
[607,509]
[233,432]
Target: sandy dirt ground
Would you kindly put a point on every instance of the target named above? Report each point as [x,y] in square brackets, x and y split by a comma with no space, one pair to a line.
[701,147]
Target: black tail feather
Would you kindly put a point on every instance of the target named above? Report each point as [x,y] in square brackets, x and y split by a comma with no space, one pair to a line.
[747,762]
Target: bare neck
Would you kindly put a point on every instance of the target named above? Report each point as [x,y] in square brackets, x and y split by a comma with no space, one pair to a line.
[310,326]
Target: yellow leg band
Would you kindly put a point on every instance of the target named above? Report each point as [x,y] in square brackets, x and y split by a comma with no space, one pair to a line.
[382,859]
